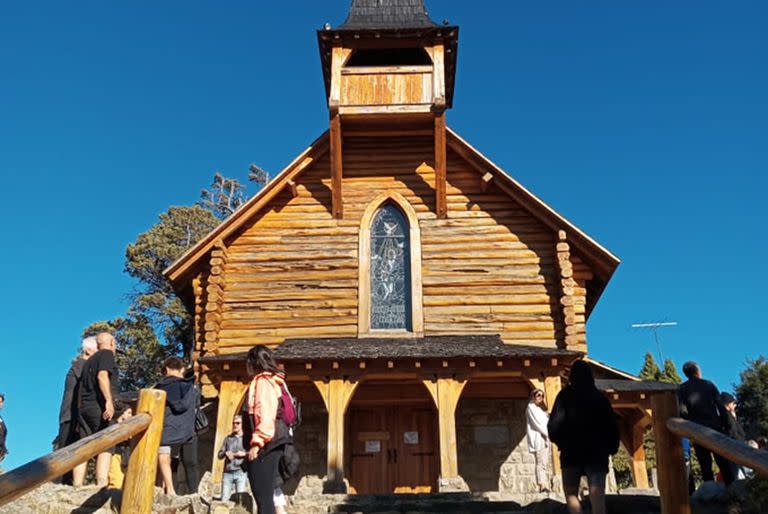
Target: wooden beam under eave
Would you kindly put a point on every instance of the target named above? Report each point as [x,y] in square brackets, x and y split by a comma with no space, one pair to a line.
[337,206]
[441,203]
[293,188]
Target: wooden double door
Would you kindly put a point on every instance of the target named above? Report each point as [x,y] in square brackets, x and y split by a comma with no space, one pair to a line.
[393,448]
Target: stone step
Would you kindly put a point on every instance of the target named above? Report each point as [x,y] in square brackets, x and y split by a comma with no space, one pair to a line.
[428,506]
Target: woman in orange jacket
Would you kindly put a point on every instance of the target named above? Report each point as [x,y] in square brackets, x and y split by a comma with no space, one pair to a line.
[268,432]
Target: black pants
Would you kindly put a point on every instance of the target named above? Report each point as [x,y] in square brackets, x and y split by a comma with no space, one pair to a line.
[705,461]
[262,474]
[187,454]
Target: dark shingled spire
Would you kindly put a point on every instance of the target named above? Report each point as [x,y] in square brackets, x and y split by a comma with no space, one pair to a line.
[387,14]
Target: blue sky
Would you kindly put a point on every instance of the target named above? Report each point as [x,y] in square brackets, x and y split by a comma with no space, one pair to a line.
[644,123]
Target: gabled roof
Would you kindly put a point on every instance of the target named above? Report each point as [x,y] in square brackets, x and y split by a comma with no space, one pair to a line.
[606,372]
[387,14]
[599,259]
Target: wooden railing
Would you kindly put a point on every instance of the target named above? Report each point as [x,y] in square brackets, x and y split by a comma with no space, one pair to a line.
[733,450]
[668,429]
[145,428]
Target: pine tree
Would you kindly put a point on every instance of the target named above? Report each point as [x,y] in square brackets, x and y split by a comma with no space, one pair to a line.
[752,395]
[139,352]
[650,370]
[670,375]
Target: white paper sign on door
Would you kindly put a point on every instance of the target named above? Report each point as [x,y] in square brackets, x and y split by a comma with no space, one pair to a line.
[411,437]
[373,447]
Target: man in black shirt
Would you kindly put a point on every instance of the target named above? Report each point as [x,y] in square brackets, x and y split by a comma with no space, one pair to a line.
[98,397]
[700,403]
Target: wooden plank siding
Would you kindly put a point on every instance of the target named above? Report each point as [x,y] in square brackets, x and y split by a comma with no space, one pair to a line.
[488,267]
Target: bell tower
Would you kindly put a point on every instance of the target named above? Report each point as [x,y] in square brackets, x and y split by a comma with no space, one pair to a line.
[388,68]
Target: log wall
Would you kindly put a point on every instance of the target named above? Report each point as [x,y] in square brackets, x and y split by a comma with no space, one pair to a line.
[489,267]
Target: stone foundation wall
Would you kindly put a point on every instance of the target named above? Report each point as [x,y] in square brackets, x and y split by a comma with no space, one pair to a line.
[492,446]
[311,440]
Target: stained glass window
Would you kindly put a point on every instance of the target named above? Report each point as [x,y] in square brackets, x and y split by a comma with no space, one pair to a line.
[390,270]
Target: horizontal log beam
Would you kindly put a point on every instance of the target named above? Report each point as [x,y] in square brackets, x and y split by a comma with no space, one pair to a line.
[24,479]
[731,449]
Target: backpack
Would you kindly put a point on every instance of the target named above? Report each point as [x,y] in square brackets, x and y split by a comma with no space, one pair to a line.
[289,409]
[290,462]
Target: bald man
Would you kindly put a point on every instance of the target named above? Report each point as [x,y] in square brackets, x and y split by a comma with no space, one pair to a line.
[98,397]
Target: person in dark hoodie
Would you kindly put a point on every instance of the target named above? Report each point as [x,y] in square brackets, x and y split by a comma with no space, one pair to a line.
[584,428]
[68,412]
[178,426]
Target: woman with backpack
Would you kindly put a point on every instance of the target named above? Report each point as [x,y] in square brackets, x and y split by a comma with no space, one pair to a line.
[267,431]
[583,425]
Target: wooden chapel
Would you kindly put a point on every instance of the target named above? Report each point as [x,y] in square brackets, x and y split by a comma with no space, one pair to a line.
[414,292]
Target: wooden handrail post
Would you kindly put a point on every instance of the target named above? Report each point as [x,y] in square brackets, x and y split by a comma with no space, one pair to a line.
[139,485]
[673,481]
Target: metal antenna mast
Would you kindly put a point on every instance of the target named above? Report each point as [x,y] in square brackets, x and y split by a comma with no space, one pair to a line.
[654,328]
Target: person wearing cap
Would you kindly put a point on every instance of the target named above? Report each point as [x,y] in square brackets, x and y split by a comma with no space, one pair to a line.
[68,412]
[700,402]
[734,429]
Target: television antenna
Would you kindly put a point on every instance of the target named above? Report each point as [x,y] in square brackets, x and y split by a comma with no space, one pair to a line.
[654,328]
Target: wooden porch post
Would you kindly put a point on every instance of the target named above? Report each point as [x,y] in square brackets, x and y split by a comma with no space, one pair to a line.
[445,393]
[673,481]
[632,436]
[336,394]
[138,489]
[231,396]
[552,386]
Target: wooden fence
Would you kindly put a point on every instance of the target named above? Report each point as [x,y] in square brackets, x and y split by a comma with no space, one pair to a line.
[145,429]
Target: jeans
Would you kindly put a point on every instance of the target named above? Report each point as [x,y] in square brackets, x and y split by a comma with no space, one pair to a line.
[230,479]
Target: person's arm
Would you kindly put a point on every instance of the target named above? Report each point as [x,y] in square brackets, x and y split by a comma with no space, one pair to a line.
[612,428]
[681,401]
[556,424]
[722,412]
[65,411]
[223,450]
[106,390]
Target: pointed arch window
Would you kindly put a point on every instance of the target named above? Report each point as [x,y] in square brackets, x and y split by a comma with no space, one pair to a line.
[390,300]
[390,275]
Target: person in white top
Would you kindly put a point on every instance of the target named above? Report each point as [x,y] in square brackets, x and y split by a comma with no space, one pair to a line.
[538,437]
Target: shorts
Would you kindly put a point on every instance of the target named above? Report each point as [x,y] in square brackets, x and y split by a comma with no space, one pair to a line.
[595,475]
[91,421]
[164,450]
